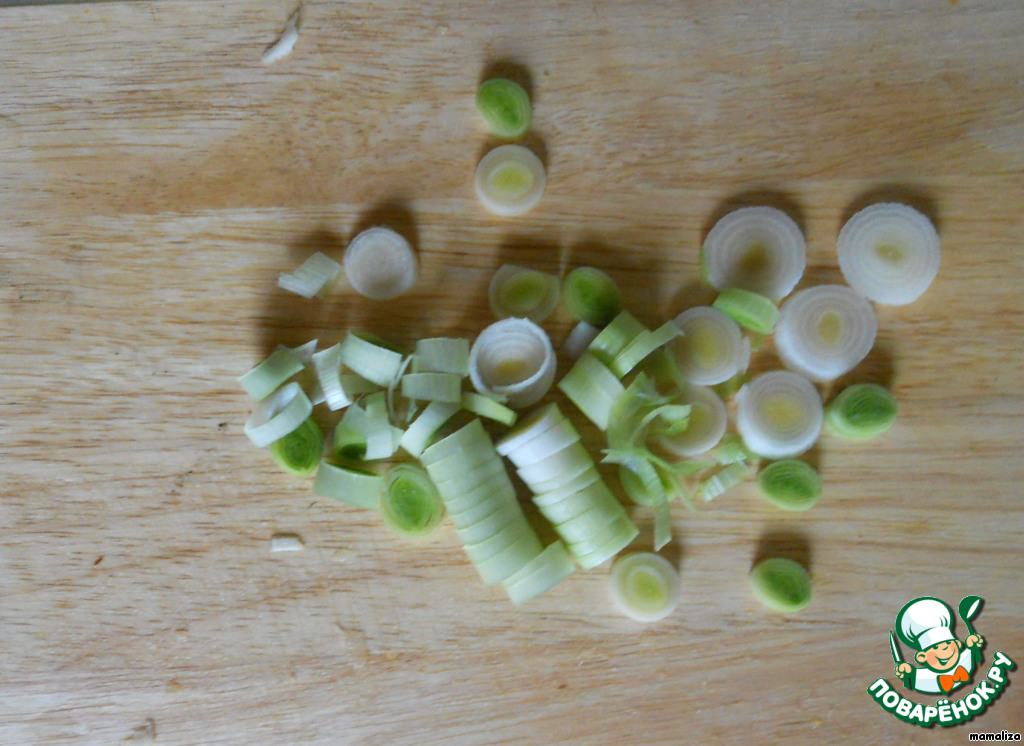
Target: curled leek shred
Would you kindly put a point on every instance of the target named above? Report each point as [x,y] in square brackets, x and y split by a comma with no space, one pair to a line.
[790,484]
[410,504]
[825,331]
[279,414]
[591,295]
[641,411]
[487,407]
[663,368]
[636,460]
[446,387]
[725,479]
[645,586]
[579,339]
[313,277]
[732,451]
[513,358]
[643,345]
[781,584]
[350,434]
[755,248]
[889,253]
[592,388]
[299,451]
[523,293]
[380,264]
[510,180]
[861,411]
[748,309]
[370,360]
[712,349]
[505,107]
[327,364]
[356,487]
[425,426]
[613,339]
[382,438]
[390,390]
[442,355]
[662,524]
[779,414]
[265,378]
[705,425]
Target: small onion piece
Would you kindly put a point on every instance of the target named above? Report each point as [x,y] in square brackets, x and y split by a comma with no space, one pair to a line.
[513,358]
[505,107]
[279,414]
[861,411]
[781,584]
[889,253]
[779,414]
[790,484]
[755,248]
[380,264]
[825,331]
[645,586]
[591,295]
[523,293]
[712,349]
[314,276]
[706,426]
[510,180]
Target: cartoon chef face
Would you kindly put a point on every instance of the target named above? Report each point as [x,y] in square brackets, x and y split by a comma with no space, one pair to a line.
[942,656]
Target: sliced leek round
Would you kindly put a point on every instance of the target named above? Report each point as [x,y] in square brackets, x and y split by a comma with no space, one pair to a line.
[549,568]
[356,487]
[299,452]
[712,349]
[706,426]
[523,293]
[862,411]
[529,427]
[505,107]
[510,180]
[552,440]
[781,584]
[645,586]
[277,415]
[779,414]
[380,264]
[513,358]
[790,484]
[410,503]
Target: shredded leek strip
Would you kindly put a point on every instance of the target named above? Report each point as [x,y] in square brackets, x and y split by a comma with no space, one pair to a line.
[510,180]
[350,434]
[862,411]
[790,484]
[748,309]
[663,368]
[781,584]
[889,253]
[410,503]
[613,339]
[372,361]
[505,107]
[380,264]
[592,388]
[356,487]
[592,296]
[755,248]
[636,461]
[579,339]
[424,427]
[382,437]
[327,364]
[643,345]
[712,349]
[825,331]
[732,450]
[446,387]
[299,451]
[513,358]
[523,293]
[725,479]
[540,575]
[279,414]
[487,407]
[662,524]
[645,586]
[779,414]
[314,276]
[442,355]
[265,378]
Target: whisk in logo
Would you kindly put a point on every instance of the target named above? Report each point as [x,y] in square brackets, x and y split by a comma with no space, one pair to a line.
[945,664]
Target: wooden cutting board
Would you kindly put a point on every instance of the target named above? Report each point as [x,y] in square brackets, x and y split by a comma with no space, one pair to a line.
[154,180]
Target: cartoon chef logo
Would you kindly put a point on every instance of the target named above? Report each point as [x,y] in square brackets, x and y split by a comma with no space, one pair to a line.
[946,663]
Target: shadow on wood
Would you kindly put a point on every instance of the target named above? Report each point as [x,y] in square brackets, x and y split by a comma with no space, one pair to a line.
[784,542]
[756,198]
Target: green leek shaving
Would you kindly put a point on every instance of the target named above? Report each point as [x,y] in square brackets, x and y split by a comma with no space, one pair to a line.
[790,484]
[643,345]
[355,487]
[613,339]
[749,309]
[299,451]
[591,295]
[265,378]
[505,107]
[725,479]
[781,584]
[593,388]
[487,407]
[862,411]
[410,505]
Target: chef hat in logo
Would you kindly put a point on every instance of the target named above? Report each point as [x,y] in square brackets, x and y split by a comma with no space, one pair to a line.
[925,622]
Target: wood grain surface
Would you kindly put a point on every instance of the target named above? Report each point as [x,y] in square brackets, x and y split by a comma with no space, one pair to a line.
[154,180]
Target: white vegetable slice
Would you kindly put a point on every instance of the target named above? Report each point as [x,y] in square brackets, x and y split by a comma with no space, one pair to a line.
[303,352]
[592,387]
[543,573]
[511,560]
[285,43]
[423,428]
[588,523]
[510,180]
[442,355]
[574,457]
[380,264]
[594,495]
[625,533]
[359,488]
[487,407]
[265,378]
[779,414]
[446,387]
[552,440]
[376,364]
[513,358]
[645,586]
[755,248]
[712,349]
[382,438]
[480,501]
[579,339]
[466,438]
[889,253]
[502,540]
[643,345]
[825,331]
[313,277]
[523,293]
[706,427]
[578,483]
[277,415]
[537,422]
[327,364]
[486,519]
[458,468]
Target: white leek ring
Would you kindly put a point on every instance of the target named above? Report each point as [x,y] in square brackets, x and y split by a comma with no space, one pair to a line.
[779,414]
[513,358]
[712,349]
[380,264]
[277,415]
[755,248]
[510,180]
